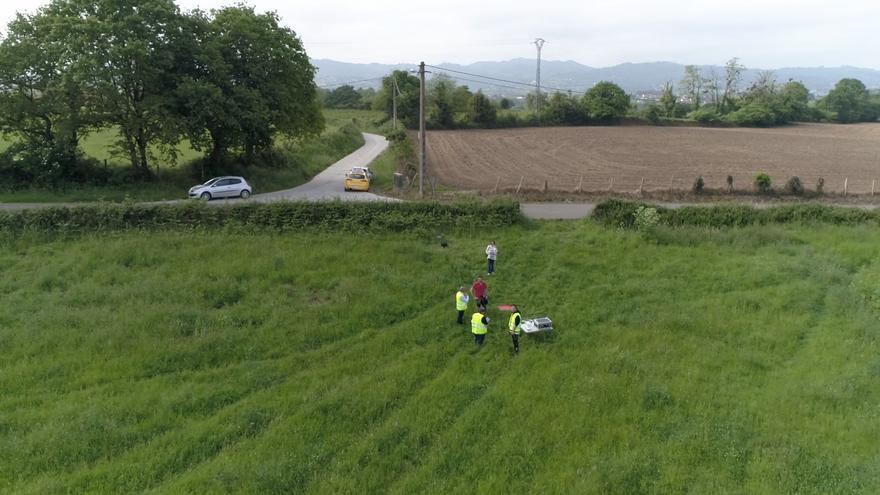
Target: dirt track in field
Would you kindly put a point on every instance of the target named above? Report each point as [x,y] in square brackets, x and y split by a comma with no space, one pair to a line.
[618,158]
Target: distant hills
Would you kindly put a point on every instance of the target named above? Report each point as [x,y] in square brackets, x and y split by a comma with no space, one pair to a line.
[633,77]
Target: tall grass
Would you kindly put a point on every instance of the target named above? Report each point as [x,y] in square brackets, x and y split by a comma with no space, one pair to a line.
[735,361]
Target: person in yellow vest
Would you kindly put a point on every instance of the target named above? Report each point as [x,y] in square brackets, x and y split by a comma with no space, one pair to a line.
[461,304]
[513,327]
[479,326]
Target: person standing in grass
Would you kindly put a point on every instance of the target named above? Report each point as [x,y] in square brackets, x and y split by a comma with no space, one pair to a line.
[479,326]
[513,327]
[478,290]
[461,304]
[491,255]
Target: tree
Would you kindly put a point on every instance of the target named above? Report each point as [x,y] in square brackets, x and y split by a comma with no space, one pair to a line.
[407,101]
[692,85]
[733,72]
[127,51]
[461,99]
[344,96]
[849,99]
[795,101]
[482,110]
[668,100]
[249,79]
[564,109]
[441,112]
[606,101]
[505,104]
[41,99]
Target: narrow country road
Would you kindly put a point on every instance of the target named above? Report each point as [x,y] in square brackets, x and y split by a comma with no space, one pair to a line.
[328,184]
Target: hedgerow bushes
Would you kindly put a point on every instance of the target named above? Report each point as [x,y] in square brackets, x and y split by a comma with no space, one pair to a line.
[282,216]
[617,213]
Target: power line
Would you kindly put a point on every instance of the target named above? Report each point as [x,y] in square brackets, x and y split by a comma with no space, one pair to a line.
[459,78]
[324,86]
[529,85]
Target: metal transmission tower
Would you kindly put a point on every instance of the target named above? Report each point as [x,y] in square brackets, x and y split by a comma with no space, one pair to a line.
[539,43]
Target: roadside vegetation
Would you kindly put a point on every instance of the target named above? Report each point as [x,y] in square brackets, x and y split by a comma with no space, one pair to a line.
[731,360]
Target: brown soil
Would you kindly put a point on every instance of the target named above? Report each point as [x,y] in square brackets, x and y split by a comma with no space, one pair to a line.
[623,158]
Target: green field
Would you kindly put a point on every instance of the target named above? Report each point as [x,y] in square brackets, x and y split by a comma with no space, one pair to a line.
[310,156]
[699,361]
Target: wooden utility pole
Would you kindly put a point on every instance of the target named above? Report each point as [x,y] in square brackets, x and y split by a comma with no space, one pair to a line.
[394,92]
[421,129]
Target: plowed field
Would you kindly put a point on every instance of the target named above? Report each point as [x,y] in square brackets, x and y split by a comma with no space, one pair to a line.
[623,158]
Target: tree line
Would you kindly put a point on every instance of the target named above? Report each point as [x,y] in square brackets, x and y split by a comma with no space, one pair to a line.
[715,96]
[228,80]
[704,97]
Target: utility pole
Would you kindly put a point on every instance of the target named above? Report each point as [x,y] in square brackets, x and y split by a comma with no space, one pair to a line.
[539,43]
[421,129]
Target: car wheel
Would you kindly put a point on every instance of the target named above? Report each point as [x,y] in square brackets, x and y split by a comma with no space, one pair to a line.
[245,194]
[206,196]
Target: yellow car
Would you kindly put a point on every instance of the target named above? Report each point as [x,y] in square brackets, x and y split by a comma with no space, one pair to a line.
[357,182]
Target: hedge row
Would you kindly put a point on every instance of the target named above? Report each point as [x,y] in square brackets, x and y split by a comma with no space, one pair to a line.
[279,216]
[619,213]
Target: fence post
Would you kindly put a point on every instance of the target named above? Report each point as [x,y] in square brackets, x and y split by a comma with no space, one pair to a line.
[545,184]
[611,185]
[580,187]
[872,186]
[641,185]
[521,178]
[845,183]
[496,185]
[671,182]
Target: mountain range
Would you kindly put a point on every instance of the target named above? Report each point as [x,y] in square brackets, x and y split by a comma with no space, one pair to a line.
[569,75]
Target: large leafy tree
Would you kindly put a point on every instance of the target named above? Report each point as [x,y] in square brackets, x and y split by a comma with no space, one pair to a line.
[344,96]
[407,100]
[606,101]
[249,80]
[127,51]
[41,96]
[849,100]
[482,110]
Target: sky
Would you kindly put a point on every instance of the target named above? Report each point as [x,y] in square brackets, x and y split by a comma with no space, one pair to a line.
[767,34]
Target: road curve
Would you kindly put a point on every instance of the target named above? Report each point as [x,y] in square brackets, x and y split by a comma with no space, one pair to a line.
[327,185]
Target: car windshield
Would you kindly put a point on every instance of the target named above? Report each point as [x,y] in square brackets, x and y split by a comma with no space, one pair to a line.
[215,179]
[357,176]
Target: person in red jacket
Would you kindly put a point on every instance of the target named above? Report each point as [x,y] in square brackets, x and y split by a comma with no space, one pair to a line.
[479,291]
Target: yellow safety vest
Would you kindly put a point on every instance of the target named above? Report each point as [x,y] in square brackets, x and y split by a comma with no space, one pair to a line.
[459,304]
[512,325]
[477,325]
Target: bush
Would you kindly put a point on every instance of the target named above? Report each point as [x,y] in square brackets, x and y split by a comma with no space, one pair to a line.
[794,186]
[616,213]
[820,186]
[279,216]
[653,113]
[699,185]
[753,114]
[645,218]
[705,116]
[763,184]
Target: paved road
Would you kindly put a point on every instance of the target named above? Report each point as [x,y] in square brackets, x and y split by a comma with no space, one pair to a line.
[327,185]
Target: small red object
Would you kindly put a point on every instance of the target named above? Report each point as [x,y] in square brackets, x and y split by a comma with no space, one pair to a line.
[505,307]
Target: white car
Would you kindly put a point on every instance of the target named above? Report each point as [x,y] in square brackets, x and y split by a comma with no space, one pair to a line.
[222,187]
[362,170]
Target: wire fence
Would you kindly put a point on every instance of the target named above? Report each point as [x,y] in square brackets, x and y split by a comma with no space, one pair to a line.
[621,183]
